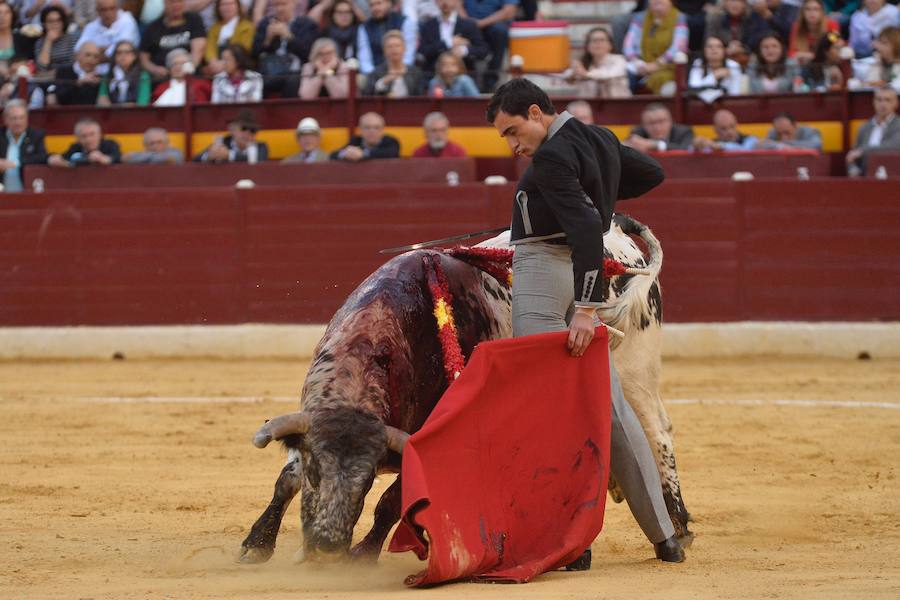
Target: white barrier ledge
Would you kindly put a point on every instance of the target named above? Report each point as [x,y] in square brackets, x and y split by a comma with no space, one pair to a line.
[849,340]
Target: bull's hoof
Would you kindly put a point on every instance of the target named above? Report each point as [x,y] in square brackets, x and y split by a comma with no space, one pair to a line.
[669,551]
[582,563]
[686,539]
[255,555]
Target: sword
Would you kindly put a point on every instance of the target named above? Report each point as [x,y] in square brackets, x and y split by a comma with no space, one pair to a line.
[433,243]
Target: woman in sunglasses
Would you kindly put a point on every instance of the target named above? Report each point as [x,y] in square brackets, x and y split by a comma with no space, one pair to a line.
[126,83]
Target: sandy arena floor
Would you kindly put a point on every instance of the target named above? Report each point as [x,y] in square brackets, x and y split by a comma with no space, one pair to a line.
[107,495]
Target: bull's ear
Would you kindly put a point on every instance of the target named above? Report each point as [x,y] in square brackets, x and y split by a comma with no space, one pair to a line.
[396,439]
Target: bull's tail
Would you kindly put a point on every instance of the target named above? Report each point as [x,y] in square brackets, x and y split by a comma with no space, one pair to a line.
[633,305]
[631,226]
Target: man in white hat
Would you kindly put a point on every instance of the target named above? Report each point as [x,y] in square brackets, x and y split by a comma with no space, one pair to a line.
[309,136]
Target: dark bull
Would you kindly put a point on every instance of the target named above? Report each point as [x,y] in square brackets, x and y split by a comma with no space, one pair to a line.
[378,373]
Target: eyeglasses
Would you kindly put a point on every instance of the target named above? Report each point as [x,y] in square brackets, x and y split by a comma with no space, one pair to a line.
[125,51]
[249,128]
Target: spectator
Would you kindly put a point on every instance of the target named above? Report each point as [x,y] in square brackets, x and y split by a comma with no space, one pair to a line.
[208,10]
[112,25]
[658,132]
[325,75]
[420,10]
[9,87]
[714,71]
[230,27]
[823,73]
[883,67]
[786,134]
[126,82]
[778,16]
[55,48]
[83,12]
[371,34]
[437,139]
[841,11]
[737,26]
[267,8]
[695,13]
[653,40]
[371,142]
[450,31]
[236,83]
[240,145]
[79,83]
[728,137]
[30,10]
[493,18]
[90,149]
[171,92]
[157,150]
[771,72]
[600,72]
[174,29]
[393,77]
[881,131]
[868,22]
[283,41]
[339,20]
[451,80]
[12,43]
[808,30]
[309,138]
[20,145]
[150,11]
[581,110]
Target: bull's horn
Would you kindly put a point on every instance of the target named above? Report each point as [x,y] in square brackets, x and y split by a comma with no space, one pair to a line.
[396,438]
[277,428]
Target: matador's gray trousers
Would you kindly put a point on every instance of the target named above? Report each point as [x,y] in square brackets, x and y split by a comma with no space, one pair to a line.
[542,301]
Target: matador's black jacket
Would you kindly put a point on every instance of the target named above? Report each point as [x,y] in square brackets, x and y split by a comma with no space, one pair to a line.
[570,190]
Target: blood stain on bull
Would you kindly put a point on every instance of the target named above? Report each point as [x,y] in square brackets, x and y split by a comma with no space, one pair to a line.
[378,373]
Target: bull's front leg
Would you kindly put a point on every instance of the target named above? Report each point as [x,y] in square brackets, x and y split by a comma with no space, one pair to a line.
[260,543]
[387,513]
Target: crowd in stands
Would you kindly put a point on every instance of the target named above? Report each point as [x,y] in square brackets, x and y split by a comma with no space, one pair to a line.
[107,52]
[160,52]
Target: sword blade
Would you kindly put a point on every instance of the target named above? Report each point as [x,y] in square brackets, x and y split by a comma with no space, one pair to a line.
[433,243]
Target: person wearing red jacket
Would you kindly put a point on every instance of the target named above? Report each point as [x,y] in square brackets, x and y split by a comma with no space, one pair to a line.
[438,144]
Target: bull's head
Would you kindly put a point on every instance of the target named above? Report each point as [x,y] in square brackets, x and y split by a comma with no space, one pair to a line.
[340,451]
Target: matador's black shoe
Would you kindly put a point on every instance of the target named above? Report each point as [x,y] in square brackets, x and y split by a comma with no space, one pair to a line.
[669,550]
[582,563]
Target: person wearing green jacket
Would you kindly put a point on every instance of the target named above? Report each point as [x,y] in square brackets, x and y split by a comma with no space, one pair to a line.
[126,82]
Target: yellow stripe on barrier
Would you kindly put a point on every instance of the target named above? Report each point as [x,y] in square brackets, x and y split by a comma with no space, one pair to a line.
[478,141]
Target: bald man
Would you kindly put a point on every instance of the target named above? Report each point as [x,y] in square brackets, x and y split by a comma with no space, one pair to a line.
[372,141]
[728,138]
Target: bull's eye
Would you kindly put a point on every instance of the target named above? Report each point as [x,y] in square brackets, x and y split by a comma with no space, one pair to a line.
[383,361]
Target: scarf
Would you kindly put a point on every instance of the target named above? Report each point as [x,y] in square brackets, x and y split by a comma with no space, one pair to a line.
[345,40]
[227,31]
[656,39]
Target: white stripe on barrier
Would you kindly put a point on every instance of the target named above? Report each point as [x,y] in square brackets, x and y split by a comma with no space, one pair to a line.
[180,399]
[800,403]
[292,399]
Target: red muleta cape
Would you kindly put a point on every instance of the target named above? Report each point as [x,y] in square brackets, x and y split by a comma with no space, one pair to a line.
[507,478]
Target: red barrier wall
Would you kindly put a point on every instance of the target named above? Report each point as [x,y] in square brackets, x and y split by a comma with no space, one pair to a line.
[408,170]
[684,164]
[779,250]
